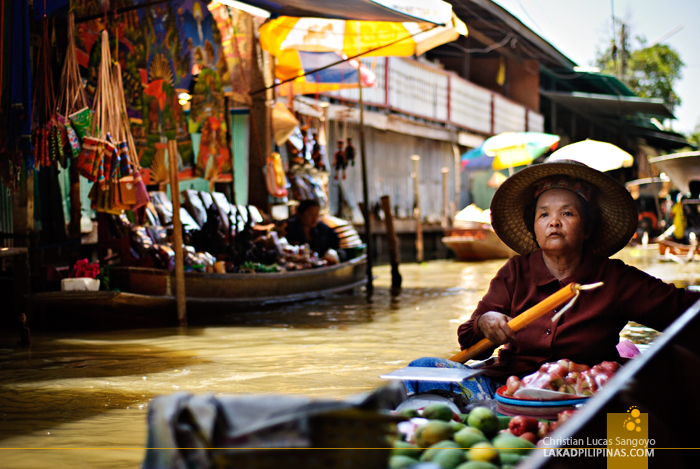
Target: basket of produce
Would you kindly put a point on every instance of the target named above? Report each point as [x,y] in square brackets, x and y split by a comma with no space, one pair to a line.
[479,439]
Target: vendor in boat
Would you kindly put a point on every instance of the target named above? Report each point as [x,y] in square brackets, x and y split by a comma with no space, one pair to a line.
[565,220]
[306,228]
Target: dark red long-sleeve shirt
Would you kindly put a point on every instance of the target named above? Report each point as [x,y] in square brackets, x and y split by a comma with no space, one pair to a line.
[588,332]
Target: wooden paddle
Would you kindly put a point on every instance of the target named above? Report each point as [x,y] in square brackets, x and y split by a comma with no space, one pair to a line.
[540,309]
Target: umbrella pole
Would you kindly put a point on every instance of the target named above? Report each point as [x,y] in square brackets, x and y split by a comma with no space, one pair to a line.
[365,191]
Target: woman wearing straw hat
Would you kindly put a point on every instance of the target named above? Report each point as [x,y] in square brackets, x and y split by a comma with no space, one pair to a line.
[565,220]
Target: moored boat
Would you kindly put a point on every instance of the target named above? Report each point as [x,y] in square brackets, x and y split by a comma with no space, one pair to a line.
[681,168]
[476,241]
[146,296]
[244,289]
[670,248]
[472,238]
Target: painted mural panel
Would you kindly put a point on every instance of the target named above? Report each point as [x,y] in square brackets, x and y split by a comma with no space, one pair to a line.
[164,50]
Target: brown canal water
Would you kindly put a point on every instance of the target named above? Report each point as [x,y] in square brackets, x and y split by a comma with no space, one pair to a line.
[81,399]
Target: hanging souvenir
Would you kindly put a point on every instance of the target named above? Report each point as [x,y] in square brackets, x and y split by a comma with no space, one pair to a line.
[339,161]
[274,176]
[99,148]
[133,189]
[95,146]
[350,153]
[71,100]
[316,154]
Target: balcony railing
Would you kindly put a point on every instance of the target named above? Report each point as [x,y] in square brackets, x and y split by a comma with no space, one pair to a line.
[426,92]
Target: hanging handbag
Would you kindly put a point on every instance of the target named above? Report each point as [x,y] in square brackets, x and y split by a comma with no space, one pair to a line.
[127,191]
[90,157]
[116,202]
[140,191]
[72,101]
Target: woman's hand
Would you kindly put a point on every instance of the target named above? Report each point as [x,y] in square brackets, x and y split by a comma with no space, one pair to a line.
[495,327]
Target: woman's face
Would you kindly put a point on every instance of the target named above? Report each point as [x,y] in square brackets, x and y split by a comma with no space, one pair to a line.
[310,217]
[559,223]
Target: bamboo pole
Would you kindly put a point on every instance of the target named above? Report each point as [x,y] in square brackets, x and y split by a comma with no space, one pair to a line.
[445,203]
[365,190]
[177,236]
[458,175]
[520,321]
[393,242]
[416,208]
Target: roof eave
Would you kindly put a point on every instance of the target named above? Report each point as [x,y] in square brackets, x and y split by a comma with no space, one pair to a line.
[526,32]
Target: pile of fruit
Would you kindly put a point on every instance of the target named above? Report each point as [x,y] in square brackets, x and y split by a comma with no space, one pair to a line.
[478,440]
[565,376]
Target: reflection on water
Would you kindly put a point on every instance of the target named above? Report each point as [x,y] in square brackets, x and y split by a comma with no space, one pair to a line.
[83,396]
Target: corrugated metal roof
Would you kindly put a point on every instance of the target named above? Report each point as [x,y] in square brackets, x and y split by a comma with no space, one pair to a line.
[610,106]
[587,82]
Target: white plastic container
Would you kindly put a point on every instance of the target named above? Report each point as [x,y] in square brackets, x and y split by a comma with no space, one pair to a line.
[80,284]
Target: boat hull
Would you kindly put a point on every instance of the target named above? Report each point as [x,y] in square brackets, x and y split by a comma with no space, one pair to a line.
[240,289]
[667,247]
[146,296]
[476,243]
[681,168]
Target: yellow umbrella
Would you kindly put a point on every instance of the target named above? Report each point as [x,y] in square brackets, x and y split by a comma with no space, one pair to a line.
[357,37]
[285,36]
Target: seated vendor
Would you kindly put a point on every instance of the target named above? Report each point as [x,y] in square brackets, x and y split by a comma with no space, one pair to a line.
[565,220]
[306,228]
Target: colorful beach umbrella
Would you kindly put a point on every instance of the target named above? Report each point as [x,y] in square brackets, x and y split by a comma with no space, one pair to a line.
[511,149]
[475,159]
[602,156]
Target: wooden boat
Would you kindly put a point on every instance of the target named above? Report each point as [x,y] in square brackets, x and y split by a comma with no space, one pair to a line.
[146,298]
[211,289]
[669,248]
[475,241]
[681,168]
[662,383]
